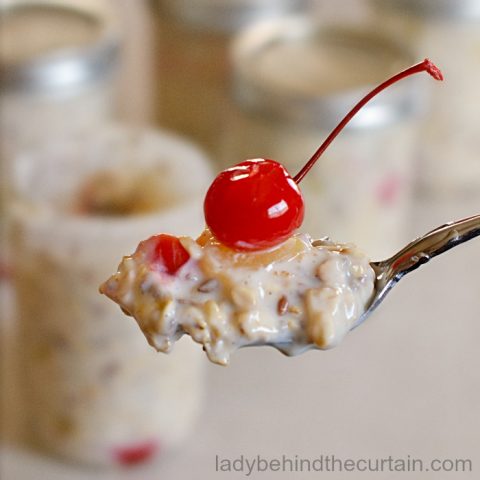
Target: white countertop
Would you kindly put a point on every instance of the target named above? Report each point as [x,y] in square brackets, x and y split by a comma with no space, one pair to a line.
[405,383]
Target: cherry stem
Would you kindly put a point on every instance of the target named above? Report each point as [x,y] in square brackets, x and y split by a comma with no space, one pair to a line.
[425,66]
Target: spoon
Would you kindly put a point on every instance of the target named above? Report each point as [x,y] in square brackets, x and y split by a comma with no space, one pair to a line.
[389,272]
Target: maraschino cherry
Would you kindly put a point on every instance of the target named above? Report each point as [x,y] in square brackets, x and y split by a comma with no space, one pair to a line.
[257,204]
[253,205]
[168,254]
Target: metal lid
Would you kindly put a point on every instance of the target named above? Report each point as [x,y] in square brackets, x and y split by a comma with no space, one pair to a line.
[226,16]
[435,9]
[297,69]
[54,45]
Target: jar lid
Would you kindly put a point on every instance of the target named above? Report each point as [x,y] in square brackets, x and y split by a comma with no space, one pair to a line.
[299,69]
[225,16]
[435,9]
[51,45]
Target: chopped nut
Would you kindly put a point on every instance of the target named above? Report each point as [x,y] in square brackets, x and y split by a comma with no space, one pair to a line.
[320,330]
[321,242]
[293,309]
[282,305]
[214,319]
[320,304]
[208,285]
[158,316]
[332,272]
[243,298]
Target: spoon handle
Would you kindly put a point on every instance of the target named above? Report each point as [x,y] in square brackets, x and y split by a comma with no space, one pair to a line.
[430,245]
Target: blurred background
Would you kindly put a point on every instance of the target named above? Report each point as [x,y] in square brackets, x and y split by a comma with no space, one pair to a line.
[115,116]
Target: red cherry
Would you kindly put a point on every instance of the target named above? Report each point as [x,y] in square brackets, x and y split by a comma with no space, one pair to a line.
[168,253]
[135,454]
[257,204]
[253,205]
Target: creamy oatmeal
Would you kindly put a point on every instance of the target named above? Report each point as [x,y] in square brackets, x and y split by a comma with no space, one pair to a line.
[296,296]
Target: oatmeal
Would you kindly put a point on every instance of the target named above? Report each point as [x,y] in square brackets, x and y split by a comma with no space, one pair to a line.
[296,296]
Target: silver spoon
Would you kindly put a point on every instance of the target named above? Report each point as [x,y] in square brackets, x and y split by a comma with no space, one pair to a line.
[389,272]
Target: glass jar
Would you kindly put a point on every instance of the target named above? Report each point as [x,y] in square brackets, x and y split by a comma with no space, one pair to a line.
[192,61]
[448,32]
[57,59]
[294,80]
[96,392]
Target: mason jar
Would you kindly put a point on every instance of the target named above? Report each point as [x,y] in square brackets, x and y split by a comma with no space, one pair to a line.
[448,32]
[192,61]
[95,391]
[294,80]
[57,59]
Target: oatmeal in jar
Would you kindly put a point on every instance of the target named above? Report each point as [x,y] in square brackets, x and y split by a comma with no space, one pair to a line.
[96,393]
